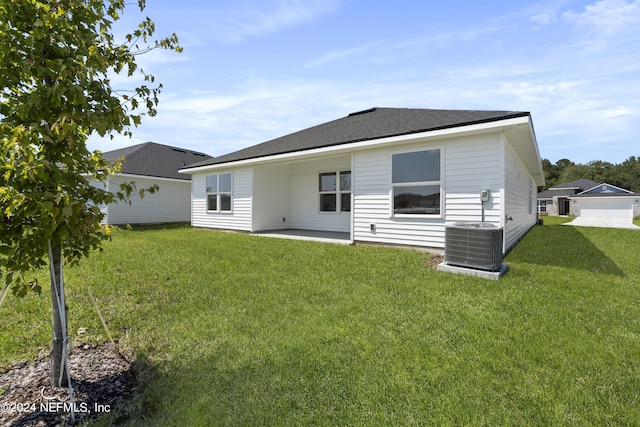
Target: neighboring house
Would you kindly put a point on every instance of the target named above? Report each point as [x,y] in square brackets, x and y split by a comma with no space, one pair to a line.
[588,199]
[148,164]
[555,200]
[384,175]
[606,201]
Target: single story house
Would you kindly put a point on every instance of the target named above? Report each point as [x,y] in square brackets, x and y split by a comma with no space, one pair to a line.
[606,201]
[148,164]
[555,200]
[383,175]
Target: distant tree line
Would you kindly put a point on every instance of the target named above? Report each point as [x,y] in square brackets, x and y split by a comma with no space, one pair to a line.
[624,175]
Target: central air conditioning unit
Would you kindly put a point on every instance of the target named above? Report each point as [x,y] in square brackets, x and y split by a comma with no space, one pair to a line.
[474,245]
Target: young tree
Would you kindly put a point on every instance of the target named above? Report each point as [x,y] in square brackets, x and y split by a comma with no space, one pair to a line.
[56,60]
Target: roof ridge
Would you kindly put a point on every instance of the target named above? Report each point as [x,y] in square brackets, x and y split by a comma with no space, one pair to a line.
[363,125]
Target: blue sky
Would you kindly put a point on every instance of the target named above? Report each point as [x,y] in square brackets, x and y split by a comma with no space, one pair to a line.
[259,69]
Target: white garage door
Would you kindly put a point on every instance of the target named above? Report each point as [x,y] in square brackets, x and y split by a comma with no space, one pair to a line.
[606,208]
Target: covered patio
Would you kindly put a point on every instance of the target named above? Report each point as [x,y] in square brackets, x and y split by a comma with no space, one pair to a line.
[338,237]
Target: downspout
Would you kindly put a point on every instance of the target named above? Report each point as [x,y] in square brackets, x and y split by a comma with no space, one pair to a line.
[503,190]
[290,171]
[351,214]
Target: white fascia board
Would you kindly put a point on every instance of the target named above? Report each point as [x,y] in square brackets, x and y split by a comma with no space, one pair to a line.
[608,185]
[617,196]
[133,176]
[537,150]
[480,128]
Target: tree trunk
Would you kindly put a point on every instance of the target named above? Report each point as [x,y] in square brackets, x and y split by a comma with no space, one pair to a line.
[59,377]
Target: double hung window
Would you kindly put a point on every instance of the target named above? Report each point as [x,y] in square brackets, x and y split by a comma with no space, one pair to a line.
[219,192]
[542,206]
[416,182]
[335,191]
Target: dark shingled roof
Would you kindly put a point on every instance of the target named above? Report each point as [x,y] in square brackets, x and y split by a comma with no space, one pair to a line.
[157,160]
[567,189]
[579,184]
[550,194]
[573,188]
[614,191]
[365,125]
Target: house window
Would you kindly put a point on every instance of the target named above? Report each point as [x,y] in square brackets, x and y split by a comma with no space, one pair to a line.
[542,206]
[335,191]
[415,180]
[219,192]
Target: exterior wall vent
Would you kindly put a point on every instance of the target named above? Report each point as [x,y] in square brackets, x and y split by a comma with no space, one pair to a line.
[474,245]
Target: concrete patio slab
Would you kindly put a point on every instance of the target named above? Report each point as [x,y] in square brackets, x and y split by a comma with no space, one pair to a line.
[605,222]
[492,275]
[314,235]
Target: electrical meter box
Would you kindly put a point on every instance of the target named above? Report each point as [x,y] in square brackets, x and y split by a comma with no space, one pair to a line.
[484,195]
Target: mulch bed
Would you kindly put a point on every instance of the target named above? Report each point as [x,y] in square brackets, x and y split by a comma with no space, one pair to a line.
[433,262]
[102,380]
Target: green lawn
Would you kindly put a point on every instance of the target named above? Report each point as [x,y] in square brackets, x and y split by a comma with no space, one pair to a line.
[233,329]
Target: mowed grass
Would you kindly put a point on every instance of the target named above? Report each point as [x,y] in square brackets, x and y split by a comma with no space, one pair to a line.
[234,329]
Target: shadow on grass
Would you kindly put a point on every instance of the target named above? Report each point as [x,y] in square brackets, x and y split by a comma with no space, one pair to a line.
[151,227]
[297,389]
[561,246]
[131,405]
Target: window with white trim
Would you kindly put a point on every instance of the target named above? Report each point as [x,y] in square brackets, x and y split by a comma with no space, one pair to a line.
[542,206]
[335,191]
[416,182]
[219,193]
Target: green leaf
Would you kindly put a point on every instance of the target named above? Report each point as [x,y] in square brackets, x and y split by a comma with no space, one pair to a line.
[55,57]
[67,211]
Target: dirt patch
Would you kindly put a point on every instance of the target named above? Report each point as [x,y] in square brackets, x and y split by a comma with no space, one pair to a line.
[433,262]
[102,380]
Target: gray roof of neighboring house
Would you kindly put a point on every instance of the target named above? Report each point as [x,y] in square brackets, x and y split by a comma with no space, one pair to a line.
[157,160]
[365,125]
[579,184]
[612,191]
[550,194]
[567,189]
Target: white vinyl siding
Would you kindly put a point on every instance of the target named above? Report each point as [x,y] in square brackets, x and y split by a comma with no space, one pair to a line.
[519,200]
[240,216]
[285,194]
[271,197]
[371,196]
[305,204]
[169,204]
[372,203]
[102,185]
[473,164]
[469,165]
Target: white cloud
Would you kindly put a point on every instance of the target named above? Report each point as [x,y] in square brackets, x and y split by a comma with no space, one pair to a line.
[607,16]
[572,117]
[579,97]
[544,18]
[261,18]
[340,54]
[606,23]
